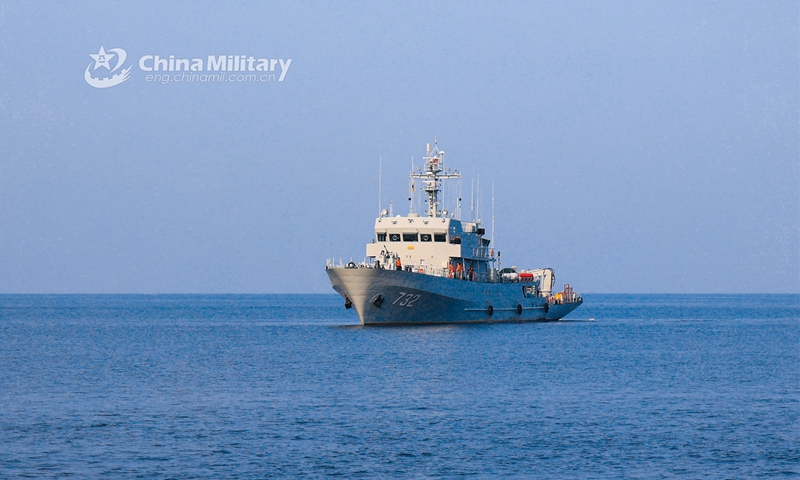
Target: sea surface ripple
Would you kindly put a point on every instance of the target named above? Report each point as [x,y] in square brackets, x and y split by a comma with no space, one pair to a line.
[242,386]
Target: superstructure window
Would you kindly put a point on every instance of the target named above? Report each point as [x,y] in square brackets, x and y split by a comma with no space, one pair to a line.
[409,237]
[382,237]
[439,237]
[425,237]
[394,237]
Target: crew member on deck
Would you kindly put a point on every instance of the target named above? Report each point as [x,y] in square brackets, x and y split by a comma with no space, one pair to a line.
[398,265]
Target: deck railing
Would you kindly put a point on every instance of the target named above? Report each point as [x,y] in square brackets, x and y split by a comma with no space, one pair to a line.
[433,270]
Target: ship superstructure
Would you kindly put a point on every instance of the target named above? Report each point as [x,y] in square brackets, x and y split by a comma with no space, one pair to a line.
[436,268]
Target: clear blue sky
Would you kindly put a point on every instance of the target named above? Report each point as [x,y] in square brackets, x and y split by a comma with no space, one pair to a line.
[634,146]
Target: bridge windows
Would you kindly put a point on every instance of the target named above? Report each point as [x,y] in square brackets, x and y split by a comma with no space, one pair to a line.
[412,237]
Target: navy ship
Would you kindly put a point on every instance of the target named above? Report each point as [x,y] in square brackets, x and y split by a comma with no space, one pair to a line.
[436,268]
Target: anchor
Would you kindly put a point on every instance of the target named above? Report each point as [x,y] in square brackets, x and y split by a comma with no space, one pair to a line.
[377,300]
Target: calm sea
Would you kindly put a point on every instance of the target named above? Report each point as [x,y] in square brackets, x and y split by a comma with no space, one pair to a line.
[195,386]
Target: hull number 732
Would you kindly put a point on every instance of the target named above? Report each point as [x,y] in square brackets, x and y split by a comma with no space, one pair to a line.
[406,300]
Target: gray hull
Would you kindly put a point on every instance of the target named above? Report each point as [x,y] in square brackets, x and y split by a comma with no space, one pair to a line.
[382,297]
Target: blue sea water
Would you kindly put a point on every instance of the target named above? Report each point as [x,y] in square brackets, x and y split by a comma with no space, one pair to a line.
[195,386]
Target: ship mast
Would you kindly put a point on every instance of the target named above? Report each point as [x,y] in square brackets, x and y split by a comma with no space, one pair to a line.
[432,174]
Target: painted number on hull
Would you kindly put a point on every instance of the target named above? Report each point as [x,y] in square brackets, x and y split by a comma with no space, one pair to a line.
[406,300]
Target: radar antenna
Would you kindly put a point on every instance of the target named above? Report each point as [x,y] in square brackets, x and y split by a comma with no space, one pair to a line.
[432,174]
